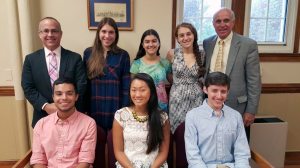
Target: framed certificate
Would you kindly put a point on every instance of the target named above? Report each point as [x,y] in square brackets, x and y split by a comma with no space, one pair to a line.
[120,10]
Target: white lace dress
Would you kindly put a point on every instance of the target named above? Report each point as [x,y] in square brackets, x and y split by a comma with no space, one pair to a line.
[135,139]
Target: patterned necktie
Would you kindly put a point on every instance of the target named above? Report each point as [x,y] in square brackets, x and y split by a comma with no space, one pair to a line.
[53,68]
[219,60]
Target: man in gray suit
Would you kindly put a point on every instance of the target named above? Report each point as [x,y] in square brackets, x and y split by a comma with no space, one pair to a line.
[237,56]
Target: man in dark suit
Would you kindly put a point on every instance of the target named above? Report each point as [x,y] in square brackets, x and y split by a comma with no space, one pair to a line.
[237,56]
[39,71]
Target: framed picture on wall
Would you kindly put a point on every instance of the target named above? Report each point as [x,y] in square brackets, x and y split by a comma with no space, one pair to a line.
[120,10]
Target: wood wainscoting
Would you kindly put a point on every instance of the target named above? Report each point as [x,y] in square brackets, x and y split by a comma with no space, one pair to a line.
[266,88]
[281,88]
[7,91]
[7,164]
[292,158]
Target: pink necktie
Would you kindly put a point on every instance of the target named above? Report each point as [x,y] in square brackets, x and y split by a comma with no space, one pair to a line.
[53,68]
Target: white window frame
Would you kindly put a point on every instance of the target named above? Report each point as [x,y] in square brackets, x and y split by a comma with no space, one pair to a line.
[263,48]
[290,30]
[179,13]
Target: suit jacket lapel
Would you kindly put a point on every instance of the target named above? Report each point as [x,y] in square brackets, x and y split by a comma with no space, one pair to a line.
[63,62]
[233,52]
[210,50]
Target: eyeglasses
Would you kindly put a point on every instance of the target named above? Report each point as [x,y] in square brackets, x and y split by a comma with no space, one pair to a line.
[225,21]
[52,31]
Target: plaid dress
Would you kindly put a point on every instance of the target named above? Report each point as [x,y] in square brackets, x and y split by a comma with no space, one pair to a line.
[109,92]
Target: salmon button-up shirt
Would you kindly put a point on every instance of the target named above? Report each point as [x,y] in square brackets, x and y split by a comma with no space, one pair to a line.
[64,143]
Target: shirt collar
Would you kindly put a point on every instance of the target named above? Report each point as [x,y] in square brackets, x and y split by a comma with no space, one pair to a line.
[228,38]
[56,51]
[70,119]
[210,111]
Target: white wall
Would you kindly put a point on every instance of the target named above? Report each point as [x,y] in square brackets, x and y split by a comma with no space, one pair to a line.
[5,63]
[280,72]
[155,14]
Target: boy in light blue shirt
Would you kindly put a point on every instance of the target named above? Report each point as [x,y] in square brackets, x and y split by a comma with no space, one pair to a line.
[214,133]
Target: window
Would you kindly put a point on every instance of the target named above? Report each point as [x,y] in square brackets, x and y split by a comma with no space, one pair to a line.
[272,24]
[268,21]
[200,14]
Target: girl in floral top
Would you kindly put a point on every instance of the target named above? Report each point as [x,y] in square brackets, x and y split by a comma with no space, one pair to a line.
[148,61]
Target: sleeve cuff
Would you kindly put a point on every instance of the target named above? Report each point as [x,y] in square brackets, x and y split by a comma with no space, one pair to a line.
[86,157]
[44,106]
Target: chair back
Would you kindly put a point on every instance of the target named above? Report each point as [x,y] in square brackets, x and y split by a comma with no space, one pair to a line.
[100,148]
[24,160]
[260,161]
[110,148]
[181,161]
[170,158]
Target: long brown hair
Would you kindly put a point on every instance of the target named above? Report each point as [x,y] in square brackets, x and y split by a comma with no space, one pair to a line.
[96,62]
[198,55]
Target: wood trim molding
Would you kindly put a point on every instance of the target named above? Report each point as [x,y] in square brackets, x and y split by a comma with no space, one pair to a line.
[266,88]
[7,91]
[281,88]
[279,57]
[297,33]
[292,158]
[174,13]
[7,163]
[238,7]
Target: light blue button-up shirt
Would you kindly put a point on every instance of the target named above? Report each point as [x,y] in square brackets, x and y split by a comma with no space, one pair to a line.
[212,140]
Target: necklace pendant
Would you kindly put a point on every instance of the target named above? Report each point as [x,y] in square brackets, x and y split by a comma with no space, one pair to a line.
[138,119]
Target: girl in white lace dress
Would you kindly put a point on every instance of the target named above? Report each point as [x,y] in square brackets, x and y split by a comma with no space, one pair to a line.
[141,132]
